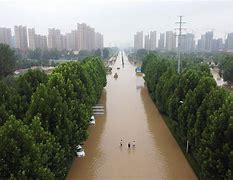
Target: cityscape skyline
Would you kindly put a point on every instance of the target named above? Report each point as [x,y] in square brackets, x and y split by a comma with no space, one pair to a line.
[23,38]
[129,16]
[169,41]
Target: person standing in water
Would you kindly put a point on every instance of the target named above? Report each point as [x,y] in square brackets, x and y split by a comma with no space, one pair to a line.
[129,145]
[134,143]
[121,142]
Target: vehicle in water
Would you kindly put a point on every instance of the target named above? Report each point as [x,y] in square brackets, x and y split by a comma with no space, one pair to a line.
[92,120]
[118,68]
[138,70]
[79,151]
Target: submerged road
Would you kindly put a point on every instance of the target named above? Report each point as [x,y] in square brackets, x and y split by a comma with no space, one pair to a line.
[131,115]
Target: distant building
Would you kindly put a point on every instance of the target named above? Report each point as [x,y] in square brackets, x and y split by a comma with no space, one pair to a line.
[187,43]
[54,39]
[99,41]
[41,42]
[63,42]
[147,43]
[209,41]
[5,36]
[138,40]
[205,44]
[21,40]
[217,45]
[153,40]
[229,42]
[161,42]
[31,39]
[201,44]
[86,37]
[170,41]
[72,40]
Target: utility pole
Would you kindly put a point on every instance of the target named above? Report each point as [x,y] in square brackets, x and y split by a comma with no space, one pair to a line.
[180,28]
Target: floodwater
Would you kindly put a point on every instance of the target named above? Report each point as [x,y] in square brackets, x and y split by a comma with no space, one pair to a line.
[131,115]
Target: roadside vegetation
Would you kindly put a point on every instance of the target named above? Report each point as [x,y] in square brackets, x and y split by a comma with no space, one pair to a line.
[199,112]
[43,117]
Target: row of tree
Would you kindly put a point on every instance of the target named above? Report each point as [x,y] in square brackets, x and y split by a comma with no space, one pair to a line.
[45,54]
[200,112]
[43,117]
[226,67]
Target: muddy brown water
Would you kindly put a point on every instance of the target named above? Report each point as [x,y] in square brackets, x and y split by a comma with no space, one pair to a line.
[131,115]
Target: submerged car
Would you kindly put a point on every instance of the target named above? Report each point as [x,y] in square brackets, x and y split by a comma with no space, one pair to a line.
[79,151]
[92,120]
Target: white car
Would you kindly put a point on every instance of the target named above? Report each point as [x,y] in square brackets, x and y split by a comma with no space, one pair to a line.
[79,151]
[92,120]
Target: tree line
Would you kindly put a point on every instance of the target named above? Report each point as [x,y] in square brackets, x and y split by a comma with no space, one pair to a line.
[199,112]
[43,117]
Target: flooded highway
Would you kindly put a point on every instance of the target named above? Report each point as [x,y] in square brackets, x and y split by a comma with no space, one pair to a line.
[129,115]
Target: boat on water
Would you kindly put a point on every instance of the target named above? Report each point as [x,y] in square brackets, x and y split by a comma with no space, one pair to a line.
[115,75]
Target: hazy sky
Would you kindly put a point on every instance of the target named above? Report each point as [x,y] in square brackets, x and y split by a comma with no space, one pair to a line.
[118,20]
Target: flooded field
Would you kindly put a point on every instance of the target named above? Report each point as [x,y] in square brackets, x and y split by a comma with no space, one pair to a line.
[130,115]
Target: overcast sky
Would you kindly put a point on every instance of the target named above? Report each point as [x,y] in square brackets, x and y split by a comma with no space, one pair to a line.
[118,20]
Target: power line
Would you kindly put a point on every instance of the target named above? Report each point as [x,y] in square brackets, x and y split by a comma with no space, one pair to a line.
[180,28]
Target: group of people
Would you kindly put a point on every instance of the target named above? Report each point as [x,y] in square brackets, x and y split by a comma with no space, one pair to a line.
[129,145]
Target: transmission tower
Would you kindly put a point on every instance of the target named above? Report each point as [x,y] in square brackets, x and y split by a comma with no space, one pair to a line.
[180,28]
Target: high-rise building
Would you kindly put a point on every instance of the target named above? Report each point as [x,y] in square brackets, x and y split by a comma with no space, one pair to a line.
[147,43]
[86,37]
[170,41]
[5,36]
[187,43]
[63,42]
[201,44]
[229,42]
[32,38]
[161,42]
[217,45]
[99,41]
[72,40]
[21,37]
[41,42]
[36,40]
[209,41]
[205,44]
[54,39]
[153,40]
[138,40]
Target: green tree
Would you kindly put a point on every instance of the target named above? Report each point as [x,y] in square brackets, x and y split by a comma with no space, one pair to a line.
[216,143]
[7,60]
[21,156]
[27,84]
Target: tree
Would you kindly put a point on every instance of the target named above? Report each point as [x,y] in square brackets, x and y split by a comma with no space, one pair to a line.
[21,156]
[228,72]
[7,60]
[10,102]
[216,143]
[27,84]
